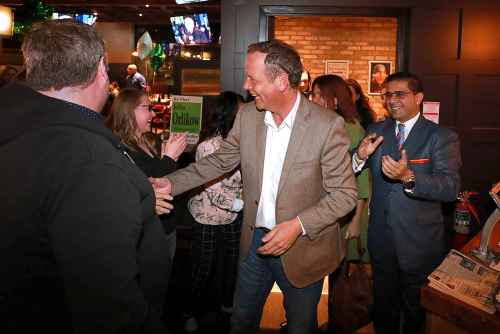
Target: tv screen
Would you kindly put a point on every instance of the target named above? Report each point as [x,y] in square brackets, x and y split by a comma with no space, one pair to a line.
[191,29]
[84,18]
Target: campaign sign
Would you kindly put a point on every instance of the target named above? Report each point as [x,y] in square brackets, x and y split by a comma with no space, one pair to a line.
[186,116]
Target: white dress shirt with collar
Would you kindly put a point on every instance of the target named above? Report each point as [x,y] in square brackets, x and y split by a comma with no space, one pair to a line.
[357,163]
[277,139]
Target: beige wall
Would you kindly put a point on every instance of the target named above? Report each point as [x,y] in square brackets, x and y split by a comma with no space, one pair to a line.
[356,39]
[119,37]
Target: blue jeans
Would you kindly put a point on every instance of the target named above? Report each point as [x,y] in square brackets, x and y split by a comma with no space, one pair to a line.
[256,276]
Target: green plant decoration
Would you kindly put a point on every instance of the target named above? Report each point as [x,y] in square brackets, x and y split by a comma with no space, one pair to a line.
[30,12]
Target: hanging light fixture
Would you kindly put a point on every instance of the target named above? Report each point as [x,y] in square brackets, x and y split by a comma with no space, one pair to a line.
[6,21]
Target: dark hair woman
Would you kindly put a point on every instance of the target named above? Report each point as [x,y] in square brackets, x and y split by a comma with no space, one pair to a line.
[221,120]
[218,221]
[331,91]
[362,103]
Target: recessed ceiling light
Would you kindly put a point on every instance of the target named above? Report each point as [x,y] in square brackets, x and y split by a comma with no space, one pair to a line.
[140,14]
[147,5]
[95,13]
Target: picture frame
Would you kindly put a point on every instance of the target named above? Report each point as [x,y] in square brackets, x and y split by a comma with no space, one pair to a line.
[10,72]
[338,67]
[378,70]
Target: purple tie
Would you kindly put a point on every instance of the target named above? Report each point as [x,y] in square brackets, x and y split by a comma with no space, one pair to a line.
[401,135]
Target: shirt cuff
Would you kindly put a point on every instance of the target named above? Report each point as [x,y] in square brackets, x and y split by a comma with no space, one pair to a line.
[302,226]
[237,205]
[357,163]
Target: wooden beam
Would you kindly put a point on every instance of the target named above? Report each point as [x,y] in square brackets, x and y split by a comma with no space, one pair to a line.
[117,3]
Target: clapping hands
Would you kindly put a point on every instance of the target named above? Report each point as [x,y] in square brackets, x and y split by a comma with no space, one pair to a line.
[393,169]
[368,145]
[174,146]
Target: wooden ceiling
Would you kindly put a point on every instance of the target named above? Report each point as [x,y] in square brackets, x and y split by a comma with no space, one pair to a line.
[158,12]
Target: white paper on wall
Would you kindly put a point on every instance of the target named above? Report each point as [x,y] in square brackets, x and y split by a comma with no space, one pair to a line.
[431,111]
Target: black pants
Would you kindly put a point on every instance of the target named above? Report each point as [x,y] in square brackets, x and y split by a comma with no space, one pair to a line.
[207,239]
[396,293]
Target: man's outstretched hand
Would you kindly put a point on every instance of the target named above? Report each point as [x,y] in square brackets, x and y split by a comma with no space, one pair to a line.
[163,194]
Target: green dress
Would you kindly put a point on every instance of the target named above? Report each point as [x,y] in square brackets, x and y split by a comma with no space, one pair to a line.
[356,133]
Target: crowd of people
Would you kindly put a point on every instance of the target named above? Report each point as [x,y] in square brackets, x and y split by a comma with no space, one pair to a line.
[285,182]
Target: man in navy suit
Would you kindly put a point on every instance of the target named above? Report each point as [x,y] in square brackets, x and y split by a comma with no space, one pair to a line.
[415,166]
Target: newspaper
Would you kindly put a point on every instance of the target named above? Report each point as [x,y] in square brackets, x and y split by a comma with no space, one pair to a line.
[467,280]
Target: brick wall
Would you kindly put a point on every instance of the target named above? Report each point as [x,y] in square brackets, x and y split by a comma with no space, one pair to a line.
[357,39]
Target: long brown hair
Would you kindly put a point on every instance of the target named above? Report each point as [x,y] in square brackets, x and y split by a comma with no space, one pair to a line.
[121,120]
[363,107]
[331,87]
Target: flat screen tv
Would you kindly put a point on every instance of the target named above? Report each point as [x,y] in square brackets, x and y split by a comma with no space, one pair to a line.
[84,18]
[191,29]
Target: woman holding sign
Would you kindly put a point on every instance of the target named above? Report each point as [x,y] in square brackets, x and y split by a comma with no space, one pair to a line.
[218,221]
[130,119]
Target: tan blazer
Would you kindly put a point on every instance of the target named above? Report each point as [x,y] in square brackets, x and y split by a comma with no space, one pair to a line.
[317,184]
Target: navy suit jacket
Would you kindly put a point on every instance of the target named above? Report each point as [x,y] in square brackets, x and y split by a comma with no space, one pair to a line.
[413,223]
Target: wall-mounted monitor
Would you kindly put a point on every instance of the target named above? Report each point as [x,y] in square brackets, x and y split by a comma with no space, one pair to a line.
[86,18]
[89,19]
[191,29]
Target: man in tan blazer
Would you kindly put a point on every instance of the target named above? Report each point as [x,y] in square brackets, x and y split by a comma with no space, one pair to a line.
[297,182]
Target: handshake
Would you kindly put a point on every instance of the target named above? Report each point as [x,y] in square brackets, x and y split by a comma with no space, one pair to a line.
[163,194]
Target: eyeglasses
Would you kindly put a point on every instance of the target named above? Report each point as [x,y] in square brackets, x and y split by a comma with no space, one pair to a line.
[146,106]
[399,94]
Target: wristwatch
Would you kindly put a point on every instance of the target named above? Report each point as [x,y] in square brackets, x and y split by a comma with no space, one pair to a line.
[409,181]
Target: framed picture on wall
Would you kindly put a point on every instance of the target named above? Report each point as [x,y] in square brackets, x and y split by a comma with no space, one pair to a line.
[378,70]
[337,67]
[9,73]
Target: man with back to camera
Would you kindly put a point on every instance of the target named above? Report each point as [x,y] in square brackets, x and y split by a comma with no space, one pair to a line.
[135,79]
[81,247]
[297,182]
[415,168]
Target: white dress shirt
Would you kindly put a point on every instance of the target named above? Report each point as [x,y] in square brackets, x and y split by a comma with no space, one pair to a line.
[357,163]
[277,139]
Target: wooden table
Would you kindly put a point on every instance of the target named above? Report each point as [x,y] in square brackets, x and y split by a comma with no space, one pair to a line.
[446,314]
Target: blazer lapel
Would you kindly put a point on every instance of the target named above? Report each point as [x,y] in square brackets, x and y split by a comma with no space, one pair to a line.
[390,145]
[260,145]
[414,139]
[299,130]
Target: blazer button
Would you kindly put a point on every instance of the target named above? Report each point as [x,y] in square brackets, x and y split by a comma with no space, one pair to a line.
[251,228]
[256,202]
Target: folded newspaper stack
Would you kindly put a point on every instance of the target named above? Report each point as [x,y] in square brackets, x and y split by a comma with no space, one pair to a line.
[467,280]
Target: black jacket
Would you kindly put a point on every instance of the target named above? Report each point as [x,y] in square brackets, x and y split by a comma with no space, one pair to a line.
[81,249]
[156,167]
